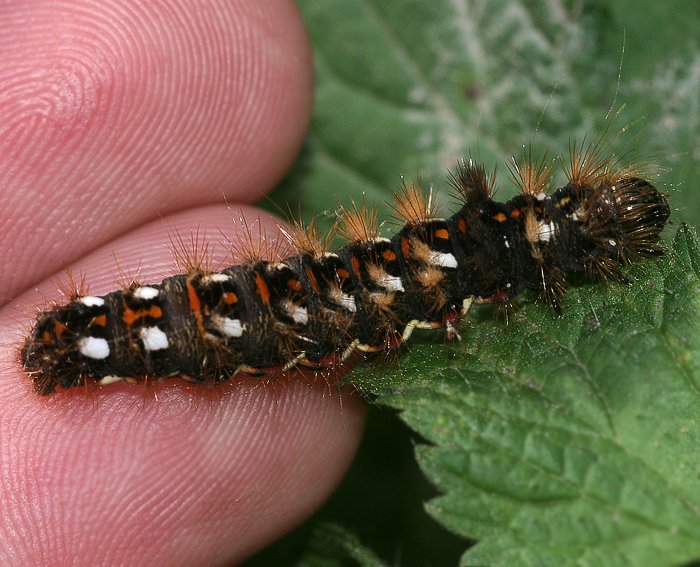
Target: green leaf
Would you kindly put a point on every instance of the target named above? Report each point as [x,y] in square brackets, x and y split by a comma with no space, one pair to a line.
[553,440]
[334,546]
[572,440]
[405,87]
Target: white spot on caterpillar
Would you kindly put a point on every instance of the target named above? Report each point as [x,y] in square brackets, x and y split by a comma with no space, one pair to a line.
[216,278]
[343,299]
[91,301]
[442,259]
[153,338]
[147,293]
[390,283]
[545,231]
[229,327]
[93,347]
[111,379]
[348,302]
[381,278]
[300,315]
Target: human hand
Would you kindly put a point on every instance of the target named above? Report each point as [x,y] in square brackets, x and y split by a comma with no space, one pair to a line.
[121,122]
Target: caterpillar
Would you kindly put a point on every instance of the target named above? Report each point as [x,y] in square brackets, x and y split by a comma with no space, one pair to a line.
[316,307]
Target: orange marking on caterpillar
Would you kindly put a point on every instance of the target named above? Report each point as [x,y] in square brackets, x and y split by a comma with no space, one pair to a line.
[313,282]
[389,255]
[59,328]
[442,234]
[499,217]
[195,306]
[356,266]
[263,290]
[405,247]
[229,298]
[130,316]
[100,320]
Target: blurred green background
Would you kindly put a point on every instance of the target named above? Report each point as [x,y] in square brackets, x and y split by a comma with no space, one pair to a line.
[407,87]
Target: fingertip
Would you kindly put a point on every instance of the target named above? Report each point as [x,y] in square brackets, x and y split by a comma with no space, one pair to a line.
[116,113]
[174,474]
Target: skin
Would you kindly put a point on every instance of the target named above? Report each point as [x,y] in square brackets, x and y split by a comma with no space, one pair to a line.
[121,128]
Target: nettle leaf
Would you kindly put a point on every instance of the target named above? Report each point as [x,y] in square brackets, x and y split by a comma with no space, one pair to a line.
[571,440]
[554,440]
[406,87]
[333,546]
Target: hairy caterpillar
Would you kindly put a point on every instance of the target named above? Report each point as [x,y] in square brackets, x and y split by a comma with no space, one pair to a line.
[313,309]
